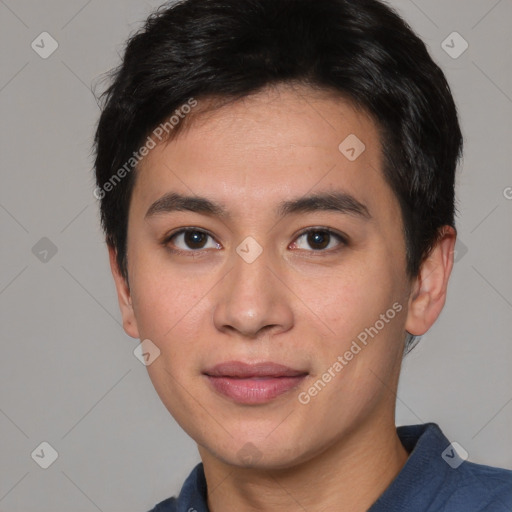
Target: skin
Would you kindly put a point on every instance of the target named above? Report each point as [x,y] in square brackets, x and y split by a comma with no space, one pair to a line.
[293,305]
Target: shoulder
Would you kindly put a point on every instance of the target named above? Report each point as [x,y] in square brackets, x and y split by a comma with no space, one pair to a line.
[168,505]
[481,488]
[192,496]
[436,477]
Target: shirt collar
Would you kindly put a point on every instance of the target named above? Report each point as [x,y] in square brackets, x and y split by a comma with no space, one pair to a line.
[425,468]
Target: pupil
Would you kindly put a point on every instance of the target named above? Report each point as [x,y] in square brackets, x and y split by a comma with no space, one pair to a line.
[194,239]
[319,237]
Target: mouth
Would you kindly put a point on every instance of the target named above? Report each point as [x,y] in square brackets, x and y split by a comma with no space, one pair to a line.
[253,383]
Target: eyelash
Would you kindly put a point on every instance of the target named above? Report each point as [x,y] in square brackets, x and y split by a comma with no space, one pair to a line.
[193,253]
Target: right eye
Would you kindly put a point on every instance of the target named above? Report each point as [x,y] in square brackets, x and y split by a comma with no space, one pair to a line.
[192,240]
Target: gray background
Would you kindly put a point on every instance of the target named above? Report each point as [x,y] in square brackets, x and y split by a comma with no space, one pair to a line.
[68,375]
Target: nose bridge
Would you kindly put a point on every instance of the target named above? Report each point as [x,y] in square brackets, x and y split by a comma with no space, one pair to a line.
[251,298]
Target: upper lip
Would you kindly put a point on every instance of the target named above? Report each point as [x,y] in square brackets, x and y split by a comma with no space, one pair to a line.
[240,370]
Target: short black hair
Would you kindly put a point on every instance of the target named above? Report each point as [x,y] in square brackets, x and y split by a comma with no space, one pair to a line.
[229,49]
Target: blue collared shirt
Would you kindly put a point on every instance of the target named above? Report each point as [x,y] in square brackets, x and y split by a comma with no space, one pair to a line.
[434,479]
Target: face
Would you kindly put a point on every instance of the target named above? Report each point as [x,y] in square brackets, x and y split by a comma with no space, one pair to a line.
[280,319]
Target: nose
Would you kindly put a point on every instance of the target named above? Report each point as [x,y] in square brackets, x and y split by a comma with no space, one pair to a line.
[252,299]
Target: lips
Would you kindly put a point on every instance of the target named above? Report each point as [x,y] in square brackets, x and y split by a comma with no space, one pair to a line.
[253,383]
[239,370]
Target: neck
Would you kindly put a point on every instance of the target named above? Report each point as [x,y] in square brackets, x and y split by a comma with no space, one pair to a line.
[349,475]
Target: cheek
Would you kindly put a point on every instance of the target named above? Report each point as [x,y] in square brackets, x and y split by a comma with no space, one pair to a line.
[365,311]
[168,311]
[165,299]
[354,299]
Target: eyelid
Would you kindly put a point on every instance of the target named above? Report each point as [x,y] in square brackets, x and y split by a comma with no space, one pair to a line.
[179,231]
[331,231]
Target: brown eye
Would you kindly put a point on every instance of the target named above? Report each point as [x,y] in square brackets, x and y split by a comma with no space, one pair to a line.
[195,239]
[319,240]
[190,240]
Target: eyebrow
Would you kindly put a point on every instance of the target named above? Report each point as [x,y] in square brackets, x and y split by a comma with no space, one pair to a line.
[340,202]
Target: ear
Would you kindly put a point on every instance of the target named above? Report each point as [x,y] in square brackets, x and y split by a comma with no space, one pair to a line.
[123,296]
[428,293]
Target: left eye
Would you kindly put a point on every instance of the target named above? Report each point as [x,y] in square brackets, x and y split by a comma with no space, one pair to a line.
[319,239]
[195,240]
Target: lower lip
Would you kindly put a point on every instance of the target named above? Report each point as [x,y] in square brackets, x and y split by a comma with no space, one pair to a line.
[254,390]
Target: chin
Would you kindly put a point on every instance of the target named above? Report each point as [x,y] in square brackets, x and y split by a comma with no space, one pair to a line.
[264,453]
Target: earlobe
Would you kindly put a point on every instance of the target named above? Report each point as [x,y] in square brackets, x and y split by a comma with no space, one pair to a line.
[429,289]
[123,296]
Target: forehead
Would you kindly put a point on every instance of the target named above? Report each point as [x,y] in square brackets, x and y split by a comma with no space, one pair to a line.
[270,146]
[284,117]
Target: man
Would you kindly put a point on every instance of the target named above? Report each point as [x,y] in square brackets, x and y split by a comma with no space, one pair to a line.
[277,192]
